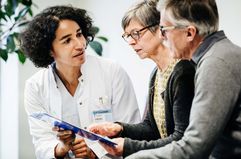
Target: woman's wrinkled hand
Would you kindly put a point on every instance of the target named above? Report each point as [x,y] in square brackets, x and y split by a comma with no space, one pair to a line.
[106,129]
[116,150]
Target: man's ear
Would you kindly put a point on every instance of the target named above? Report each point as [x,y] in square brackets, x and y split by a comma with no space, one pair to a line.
[191,32]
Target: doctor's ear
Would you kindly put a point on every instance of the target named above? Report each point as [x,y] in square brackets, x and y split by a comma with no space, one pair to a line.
[51,53]
[191,32]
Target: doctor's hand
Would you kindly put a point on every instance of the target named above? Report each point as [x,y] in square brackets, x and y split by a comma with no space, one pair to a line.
[117,150]
[81,150]
[66,137]
[106,129]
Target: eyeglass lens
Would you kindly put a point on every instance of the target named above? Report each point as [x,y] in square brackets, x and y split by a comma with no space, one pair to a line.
[135,34]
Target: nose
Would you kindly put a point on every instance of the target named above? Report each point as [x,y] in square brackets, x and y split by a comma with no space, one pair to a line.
[131,41]
[80,43]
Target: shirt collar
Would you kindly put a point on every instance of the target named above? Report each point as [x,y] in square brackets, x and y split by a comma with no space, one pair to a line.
[82,70]
[208,42]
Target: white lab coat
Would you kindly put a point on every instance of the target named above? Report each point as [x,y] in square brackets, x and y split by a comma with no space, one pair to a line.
[102,78]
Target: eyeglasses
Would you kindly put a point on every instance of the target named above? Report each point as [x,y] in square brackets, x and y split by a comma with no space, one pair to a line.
[163,29]
[135,34]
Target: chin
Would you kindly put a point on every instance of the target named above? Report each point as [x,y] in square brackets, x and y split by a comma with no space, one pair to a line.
[79,62]
[82,61]
[142,56]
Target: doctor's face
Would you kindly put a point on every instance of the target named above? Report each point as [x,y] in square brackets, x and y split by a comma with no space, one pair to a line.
[68,48]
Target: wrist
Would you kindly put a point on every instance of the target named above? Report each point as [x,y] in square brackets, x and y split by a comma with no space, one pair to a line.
[90,154]
[119,129]
[60,152]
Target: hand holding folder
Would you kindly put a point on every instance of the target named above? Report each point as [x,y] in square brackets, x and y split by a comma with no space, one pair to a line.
[67,126]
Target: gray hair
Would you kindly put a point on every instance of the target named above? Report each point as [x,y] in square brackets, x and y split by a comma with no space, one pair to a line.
[203,14]
[145,12]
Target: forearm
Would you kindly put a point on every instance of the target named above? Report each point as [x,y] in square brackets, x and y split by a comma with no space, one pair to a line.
[132,146]
[141,131]
[61,150]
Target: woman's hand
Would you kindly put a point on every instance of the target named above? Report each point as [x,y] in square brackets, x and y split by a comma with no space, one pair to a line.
[66,137]
[106,129]
[81,150]
[117,150]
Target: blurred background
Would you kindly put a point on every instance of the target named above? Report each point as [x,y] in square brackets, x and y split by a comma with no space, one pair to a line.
[15,140]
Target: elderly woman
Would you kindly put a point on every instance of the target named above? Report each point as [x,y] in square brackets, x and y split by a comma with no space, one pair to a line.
[171,87]
[71,86]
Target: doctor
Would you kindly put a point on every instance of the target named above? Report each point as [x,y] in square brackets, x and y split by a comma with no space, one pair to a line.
[72,86]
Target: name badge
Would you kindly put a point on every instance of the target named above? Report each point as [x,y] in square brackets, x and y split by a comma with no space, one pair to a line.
[102,116]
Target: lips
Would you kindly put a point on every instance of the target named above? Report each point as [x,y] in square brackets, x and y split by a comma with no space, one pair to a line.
[79,54]
[137,50]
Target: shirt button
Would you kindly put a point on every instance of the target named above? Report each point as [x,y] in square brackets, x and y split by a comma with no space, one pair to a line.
[80,103]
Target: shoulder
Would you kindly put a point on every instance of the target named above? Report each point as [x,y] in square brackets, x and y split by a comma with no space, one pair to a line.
[101,62]
[184,64]
[39,77]
[104,66]
[184,67]
[183,71]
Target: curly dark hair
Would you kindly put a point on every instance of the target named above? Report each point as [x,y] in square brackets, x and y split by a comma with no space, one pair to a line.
[37,38]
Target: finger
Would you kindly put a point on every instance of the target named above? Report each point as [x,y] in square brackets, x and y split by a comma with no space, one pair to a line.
[79,140]
[55,128]
[65,132]
[67,138]
[85,154]
[80,150]
[96,130]
[81,155]
[79,145]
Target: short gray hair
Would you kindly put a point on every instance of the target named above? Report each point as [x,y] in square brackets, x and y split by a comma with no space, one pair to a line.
[203,14]
[145,12]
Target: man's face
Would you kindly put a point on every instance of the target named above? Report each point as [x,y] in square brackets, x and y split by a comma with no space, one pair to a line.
[175,37]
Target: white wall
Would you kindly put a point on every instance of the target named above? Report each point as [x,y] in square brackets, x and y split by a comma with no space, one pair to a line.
[108,19]
[9,107]
[229,15]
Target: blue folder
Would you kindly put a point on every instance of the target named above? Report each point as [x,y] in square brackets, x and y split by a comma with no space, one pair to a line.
[67,126]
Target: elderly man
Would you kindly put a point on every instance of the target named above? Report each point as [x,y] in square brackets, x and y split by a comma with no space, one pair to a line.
[190,29]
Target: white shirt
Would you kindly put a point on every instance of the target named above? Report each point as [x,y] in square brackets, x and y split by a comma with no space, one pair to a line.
[69,103]
[105,86]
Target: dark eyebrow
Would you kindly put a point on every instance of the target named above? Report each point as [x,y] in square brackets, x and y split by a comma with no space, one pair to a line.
[69,35]
[64,37]
[78,30]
